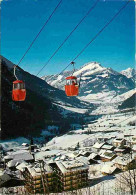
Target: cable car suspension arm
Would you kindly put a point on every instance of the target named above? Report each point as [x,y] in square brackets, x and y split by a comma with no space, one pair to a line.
[15,72]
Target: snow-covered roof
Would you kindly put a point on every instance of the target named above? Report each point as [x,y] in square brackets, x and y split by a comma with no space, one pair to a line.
[92,156]
[22,166]
[108,168]
[83,159]
[25,144]
[118,140]
[123,160]
[106,146]
[14,163]
[42,154]
[68,166]
[108,154]
[119,150]
[36,170]
[20,155]
[98,145]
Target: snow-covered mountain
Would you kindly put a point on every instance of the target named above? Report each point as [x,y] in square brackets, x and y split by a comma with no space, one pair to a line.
[97,82]
[129,72]
[43,106]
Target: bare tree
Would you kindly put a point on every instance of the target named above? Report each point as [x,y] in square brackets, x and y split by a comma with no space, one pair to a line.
[127,180]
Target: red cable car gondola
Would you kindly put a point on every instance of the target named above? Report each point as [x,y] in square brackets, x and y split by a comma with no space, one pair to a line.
[19,91]
[71,87]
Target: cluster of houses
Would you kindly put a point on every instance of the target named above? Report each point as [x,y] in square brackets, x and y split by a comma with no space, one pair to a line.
[41,169]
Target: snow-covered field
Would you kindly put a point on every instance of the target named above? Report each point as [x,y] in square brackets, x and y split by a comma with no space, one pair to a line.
[114,125]
[10,144]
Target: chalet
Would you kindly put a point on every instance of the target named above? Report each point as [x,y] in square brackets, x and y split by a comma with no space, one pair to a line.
[124,162]
[84,153]
[107,156]
[25,144]
[97,146]
[17,157]
[46,154]
[119,142]
[102,139]
[20,155]
[94,156]
[107,147]
[109,169]
[120,151]
[12,164]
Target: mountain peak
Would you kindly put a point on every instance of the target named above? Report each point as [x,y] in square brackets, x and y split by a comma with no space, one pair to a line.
[91,64]
[129,72]
[89,68]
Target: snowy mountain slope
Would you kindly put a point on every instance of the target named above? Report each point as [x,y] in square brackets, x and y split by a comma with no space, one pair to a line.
[129,102]
[97,83]
[42,88]
[124,96]
[129,72]
[38,110]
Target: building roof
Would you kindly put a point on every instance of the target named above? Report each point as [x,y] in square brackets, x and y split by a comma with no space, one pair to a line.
[92,156]
[20,155]
[83,159]
[118,140]
[68,166]
[119,150]
[108,154]
[123,160]
[36,171]
[108,168]
[22,166]
[98,145]
[41,155]
[14,163]
[106,146]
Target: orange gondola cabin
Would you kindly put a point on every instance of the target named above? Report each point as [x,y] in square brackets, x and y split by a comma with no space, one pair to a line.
[71,87]
[19,91]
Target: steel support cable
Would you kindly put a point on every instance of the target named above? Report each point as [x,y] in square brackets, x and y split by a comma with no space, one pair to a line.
[40,31]
[100,31]
[94,5]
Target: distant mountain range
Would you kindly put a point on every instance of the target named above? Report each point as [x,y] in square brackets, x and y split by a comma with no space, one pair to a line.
[47,104]
[97,82]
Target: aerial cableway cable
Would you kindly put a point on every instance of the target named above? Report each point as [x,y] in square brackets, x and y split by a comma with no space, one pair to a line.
[100,31]
[40,31]
[94,5]
[19,90]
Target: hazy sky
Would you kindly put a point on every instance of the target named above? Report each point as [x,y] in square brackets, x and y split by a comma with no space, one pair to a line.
[22,19]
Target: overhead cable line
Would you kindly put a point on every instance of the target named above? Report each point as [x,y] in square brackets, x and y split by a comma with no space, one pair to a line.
[100,31]
[94,5]
[40,31]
